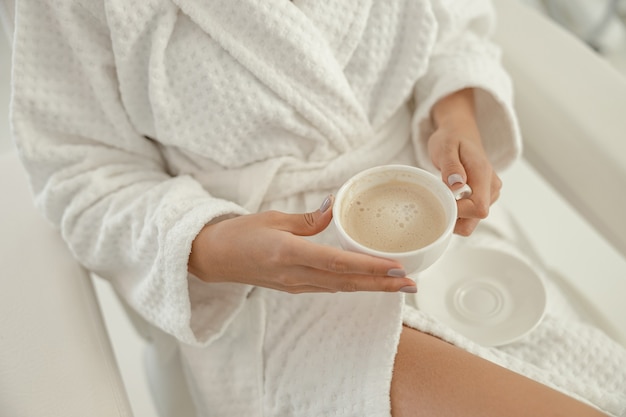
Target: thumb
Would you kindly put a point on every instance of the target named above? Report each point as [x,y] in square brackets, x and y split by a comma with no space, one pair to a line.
[452,170]
[311,223]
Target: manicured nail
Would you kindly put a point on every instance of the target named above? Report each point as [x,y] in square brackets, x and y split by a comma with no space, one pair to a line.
[326,203]
[455,179]
[409,289]
[396,273]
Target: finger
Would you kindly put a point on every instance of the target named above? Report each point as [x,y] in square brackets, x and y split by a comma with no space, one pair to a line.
[480,179]
[473,208]
[465,227]
[477,207]
[336,260]
[496,187]
[370,283]
[449,163]
[333,281]
[305,224]
[495,194]
[302,289]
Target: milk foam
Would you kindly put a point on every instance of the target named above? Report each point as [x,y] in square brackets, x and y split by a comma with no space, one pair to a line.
[395,217]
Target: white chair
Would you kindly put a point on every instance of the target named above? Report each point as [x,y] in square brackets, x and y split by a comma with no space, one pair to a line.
[56,358]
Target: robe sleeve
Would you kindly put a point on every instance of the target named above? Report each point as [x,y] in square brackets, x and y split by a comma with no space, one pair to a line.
[464,56]
[102,183]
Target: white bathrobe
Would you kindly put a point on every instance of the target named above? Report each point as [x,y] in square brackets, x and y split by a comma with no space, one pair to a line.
[140,122]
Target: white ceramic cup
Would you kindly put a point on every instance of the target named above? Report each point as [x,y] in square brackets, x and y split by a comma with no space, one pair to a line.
[414,260]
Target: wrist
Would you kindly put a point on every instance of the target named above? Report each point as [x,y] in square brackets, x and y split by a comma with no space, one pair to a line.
[195,263]
[203,247]
[455,111]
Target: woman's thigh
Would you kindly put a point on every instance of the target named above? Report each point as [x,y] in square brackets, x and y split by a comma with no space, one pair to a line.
[434,378]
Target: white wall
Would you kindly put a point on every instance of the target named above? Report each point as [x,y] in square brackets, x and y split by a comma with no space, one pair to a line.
[5,85]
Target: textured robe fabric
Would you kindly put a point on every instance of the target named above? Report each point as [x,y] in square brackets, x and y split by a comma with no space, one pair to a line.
[140,122]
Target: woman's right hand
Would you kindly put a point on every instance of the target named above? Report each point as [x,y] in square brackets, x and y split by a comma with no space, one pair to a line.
[267,250]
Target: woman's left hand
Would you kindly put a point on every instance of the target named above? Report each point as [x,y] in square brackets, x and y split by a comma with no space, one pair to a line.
[456,149]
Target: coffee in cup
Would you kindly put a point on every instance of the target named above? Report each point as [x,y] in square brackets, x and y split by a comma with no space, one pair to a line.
[397,212]
[397,216]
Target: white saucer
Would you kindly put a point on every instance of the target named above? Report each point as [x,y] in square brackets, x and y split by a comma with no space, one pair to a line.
[488,295]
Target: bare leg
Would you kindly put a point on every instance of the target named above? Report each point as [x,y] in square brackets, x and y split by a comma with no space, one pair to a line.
[433,378]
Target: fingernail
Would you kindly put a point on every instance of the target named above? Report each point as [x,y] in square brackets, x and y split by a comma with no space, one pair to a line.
[408,289]
[326,203]
[396,273]
[455,179]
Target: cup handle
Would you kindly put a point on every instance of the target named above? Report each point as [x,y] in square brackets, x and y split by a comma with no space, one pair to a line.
[463,192]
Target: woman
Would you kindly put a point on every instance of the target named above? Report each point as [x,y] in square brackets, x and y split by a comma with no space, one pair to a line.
[174,142]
